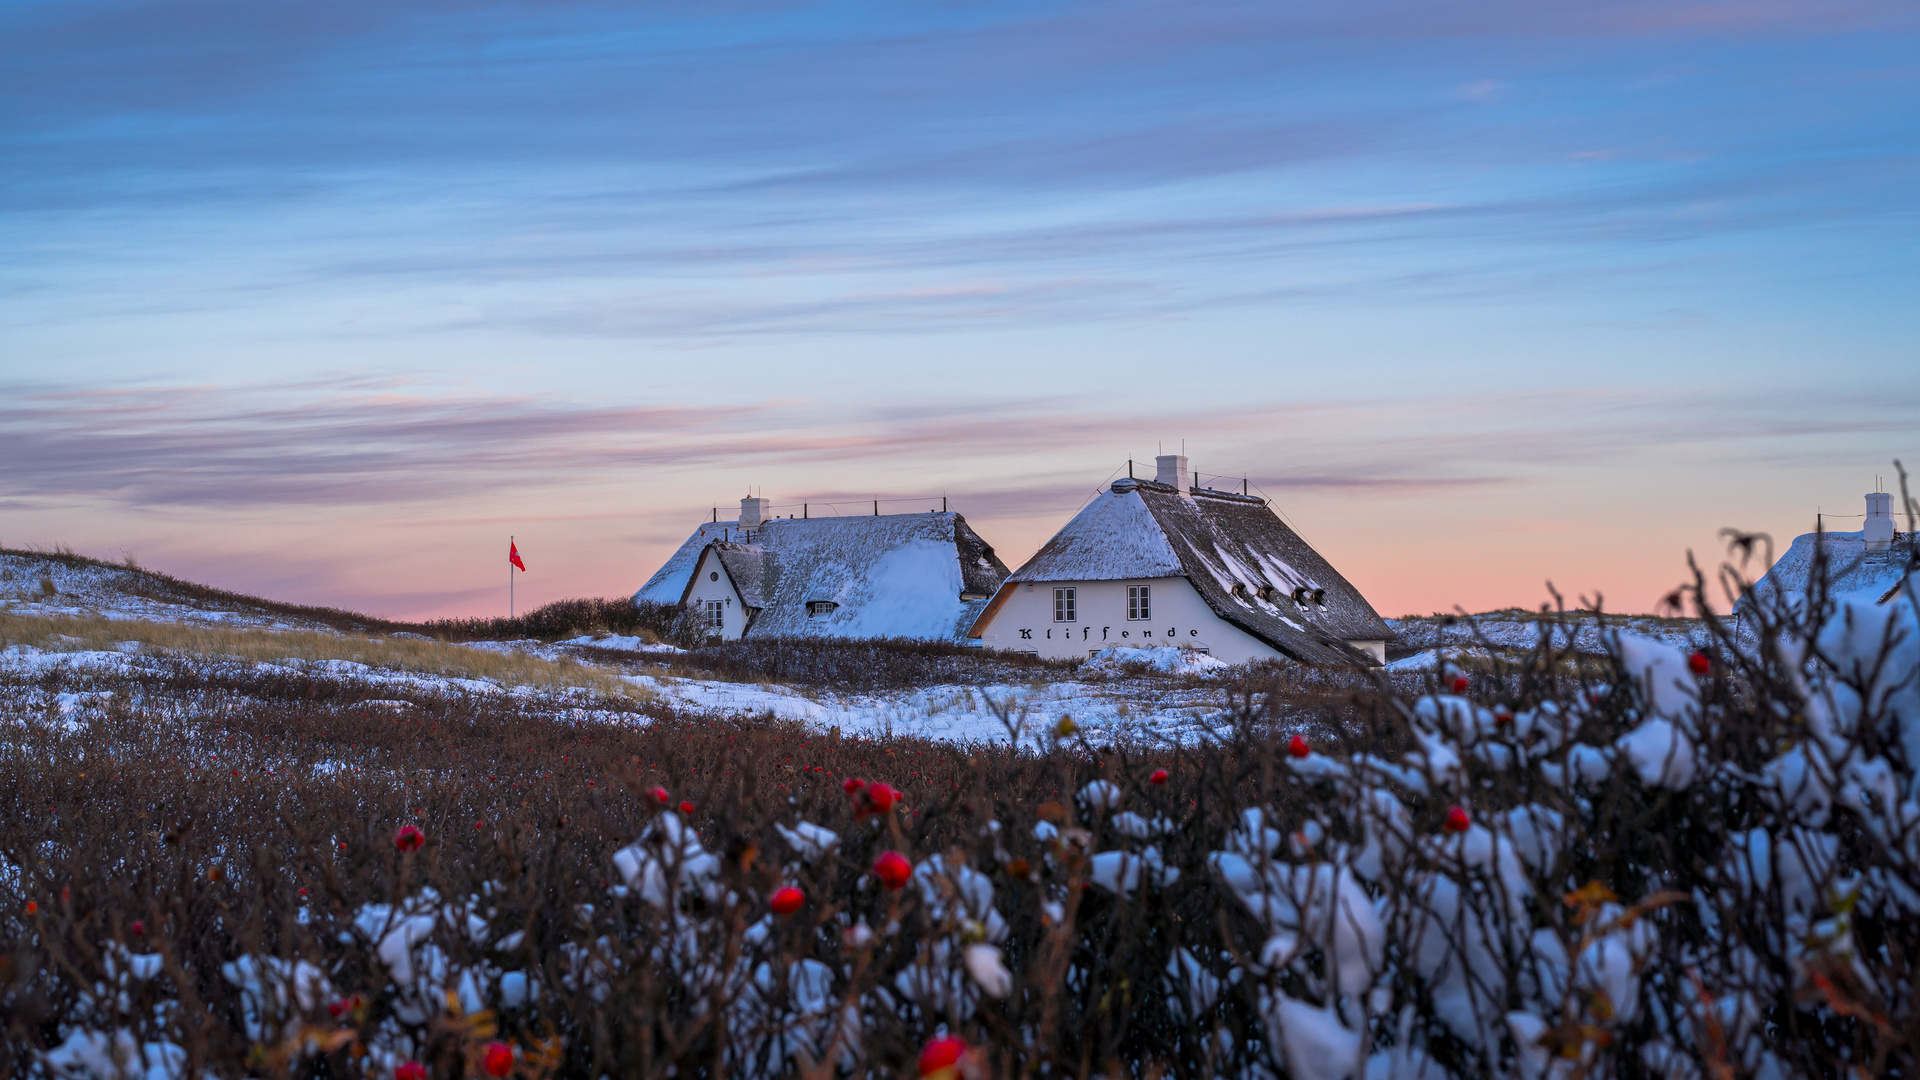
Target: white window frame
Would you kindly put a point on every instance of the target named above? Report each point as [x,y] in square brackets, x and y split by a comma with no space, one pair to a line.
[1065,604]
[716,616]
[1139,603]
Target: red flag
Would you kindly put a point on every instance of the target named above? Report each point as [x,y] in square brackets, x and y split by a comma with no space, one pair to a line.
[513,555]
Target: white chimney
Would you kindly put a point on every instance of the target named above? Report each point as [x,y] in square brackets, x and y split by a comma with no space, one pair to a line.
[1878,530]
[753,512]
[1171,469]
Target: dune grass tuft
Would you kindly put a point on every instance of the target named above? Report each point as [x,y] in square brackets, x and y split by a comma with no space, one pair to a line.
[78,633]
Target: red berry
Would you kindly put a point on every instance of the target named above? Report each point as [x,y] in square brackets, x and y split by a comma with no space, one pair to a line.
[942,1057]
[1298,747]
[881,797]
[409,838]
[1459,684]
[139,928]
[1699,664]
[33,907]
[1457,819]
[892,868]
[658,795]
[410,1070]
[1503,716]
[686,808]
[1159,777]
[499,1059]
[786,901]
[852,784]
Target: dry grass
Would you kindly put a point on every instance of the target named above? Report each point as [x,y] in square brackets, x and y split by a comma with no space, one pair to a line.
[70,633]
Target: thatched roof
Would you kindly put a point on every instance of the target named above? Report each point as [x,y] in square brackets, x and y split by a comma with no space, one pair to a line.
[1251,569]
[897,575]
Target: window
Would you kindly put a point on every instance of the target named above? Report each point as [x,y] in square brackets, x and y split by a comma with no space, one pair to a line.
[817,608]
[716,616]
[1063,605]
[1139,604]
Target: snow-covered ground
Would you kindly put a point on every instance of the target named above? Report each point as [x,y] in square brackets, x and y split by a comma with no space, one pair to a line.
[1137,695]
[1427,642]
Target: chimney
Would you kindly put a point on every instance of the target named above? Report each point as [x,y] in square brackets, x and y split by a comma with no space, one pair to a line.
[1878,530]
[1172,470]
[753,512]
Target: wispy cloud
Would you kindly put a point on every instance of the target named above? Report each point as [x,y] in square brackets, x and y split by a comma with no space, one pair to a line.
[339,446]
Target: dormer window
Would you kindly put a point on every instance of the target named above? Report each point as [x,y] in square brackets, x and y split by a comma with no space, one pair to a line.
[1300,596]
[818,608]
[1269,593]
[1240,593]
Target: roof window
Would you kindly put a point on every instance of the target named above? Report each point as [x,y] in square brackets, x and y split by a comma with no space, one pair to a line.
[817,608]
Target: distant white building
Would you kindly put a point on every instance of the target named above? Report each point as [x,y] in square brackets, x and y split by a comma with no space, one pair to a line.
[893,575]
[1872,562]
[1164,562]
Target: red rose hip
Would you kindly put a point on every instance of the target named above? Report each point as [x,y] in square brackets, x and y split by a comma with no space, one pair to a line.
[1457,819]
[409,838]
[786,901]
[893,869]
[1298,747]
[941,1058]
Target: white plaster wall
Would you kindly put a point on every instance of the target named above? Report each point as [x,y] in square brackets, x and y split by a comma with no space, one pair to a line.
[1180,617]
[705,588]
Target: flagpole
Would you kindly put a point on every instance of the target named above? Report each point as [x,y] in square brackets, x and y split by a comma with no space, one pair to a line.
[509,578]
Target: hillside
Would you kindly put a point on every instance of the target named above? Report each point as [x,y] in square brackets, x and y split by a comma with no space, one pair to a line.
[60,582]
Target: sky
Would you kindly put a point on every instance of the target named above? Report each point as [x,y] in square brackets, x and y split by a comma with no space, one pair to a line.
[325,302]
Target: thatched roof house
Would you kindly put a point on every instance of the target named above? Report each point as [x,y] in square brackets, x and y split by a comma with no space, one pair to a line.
[893,575]
[1161,562]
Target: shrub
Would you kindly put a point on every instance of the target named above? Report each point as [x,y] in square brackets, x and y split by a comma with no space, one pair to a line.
[866,665]
[564,619]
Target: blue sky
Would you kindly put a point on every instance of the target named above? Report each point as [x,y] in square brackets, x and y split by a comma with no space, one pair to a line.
[324,301]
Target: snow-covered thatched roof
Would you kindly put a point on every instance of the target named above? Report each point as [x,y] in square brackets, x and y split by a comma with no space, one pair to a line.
[1252,570]
[669,583]
[1853,567]
[897,575]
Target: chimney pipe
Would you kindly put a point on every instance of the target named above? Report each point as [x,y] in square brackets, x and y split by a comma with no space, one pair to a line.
[753,512]
[1171,469]
[1878,529]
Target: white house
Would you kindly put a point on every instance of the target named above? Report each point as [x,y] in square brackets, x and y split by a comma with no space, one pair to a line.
[1872,562]
[1165,562]
[892,575]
